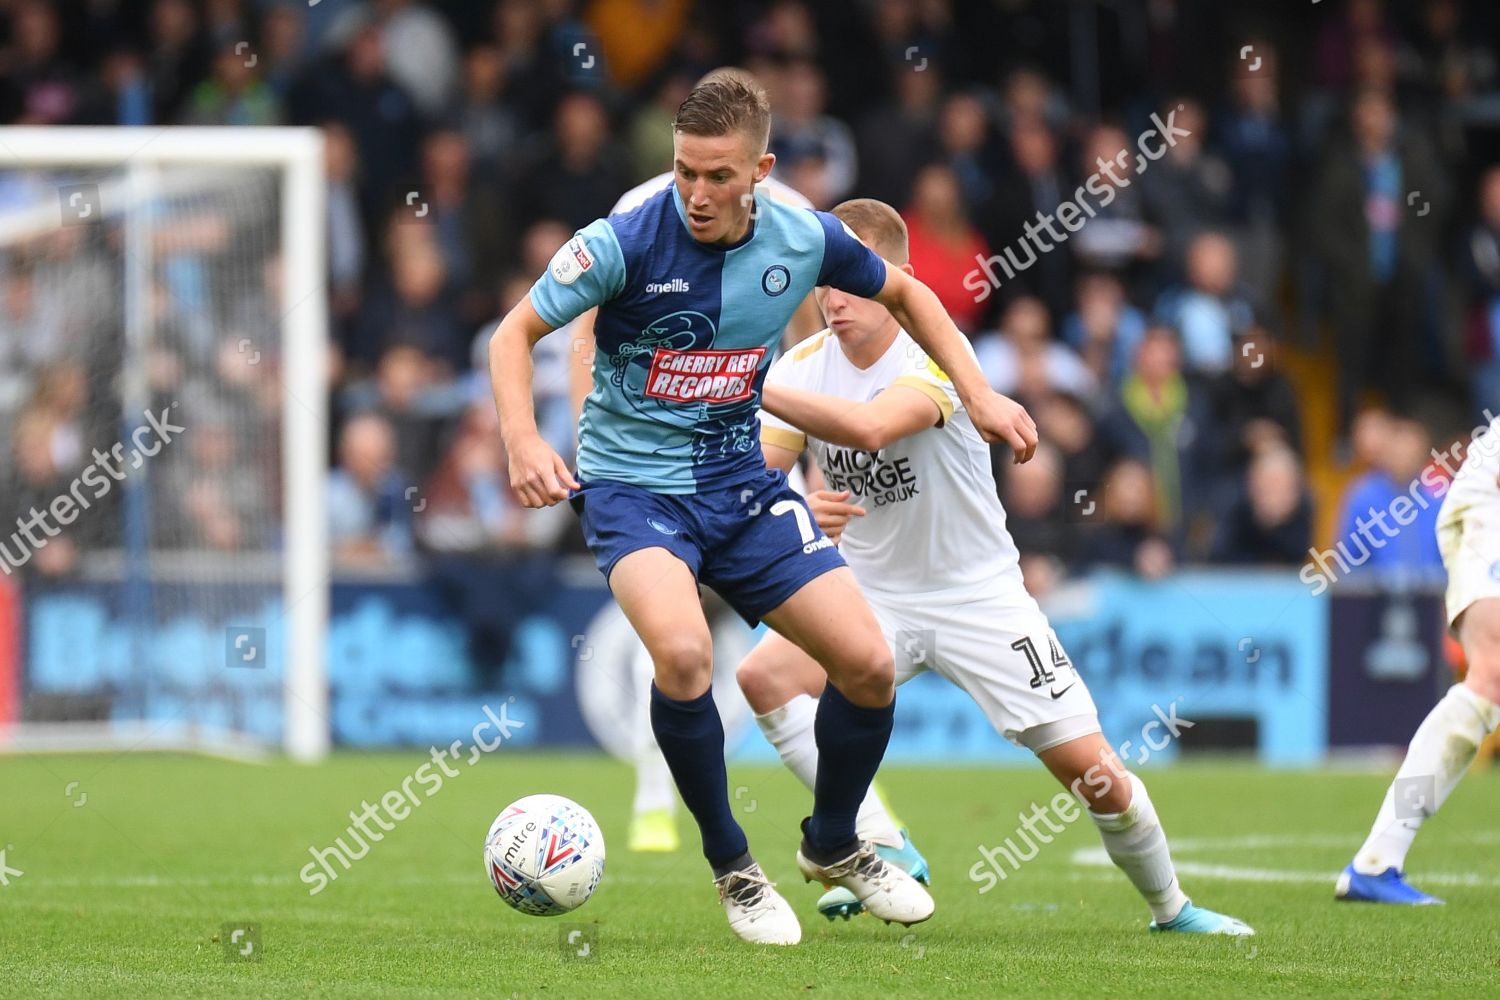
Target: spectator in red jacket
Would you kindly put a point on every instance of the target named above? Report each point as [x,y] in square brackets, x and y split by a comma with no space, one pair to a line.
[945,244]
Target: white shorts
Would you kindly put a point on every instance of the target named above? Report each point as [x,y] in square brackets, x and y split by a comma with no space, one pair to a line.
[997,647]
[1468,536]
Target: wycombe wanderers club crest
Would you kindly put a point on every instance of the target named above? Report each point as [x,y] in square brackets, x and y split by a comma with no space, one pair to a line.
[775,280]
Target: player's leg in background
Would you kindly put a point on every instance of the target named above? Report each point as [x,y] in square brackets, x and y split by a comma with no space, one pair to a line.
[1441,751]
[783,685]
[829,619]
[1133,837]
[1119,806]
[659,596]
[1051,713]
[781,570]
[653,820]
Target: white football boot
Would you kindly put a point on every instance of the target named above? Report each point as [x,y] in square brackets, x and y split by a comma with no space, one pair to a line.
[756,911]
[884,890]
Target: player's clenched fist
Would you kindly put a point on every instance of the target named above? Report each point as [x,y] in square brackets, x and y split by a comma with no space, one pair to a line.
[1000,418]
[832,512]
[538,474]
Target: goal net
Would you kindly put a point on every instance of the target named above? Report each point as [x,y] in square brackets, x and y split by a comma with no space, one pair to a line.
[163,413]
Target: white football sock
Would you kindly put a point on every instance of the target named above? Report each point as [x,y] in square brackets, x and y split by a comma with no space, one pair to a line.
[1440,753]
[790,730]
[654,788]
[1136,843]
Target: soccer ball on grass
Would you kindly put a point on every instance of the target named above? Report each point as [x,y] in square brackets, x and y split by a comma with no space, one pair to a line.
[544,855]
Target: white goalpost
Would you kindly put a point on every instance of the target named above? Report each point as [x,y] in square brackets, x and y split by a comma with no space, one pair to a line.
[212,240]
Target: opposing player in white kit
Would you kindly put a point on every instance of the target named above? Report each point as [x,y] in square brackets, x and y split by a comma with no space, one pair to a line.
[653,823]
[924,532]
[1445,743]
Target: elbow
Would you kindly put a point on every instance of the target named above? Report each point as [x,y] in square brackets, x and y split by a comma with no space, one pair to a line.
[913,293]
[517,328]
[510,342]
[900,308]
[499,337]
[868,436]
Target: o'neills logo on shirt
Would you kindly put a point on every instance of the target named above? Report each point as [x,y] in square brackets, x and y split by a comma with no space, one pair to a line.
[703,376]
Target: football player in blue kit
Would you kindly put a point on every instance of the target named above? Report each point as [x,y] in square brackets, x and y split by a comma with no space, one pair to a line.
[693,289]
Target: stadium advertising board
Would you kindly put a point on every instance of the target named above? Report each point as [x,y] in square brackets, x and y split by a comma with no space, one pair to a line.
[1243,657]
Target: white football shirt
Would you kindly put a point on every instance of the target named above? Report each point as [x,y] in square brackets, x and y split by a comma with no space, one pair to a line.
[933,518]
[1476,479]
[1468,527]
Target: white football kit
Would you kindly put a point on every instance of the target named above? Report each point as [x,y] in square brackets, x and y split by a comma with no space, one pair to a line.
[1468,527]
[932,554]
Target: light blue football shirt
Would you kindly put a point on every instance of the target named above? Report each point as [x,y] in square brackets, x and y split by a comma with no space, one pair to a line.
[686,332]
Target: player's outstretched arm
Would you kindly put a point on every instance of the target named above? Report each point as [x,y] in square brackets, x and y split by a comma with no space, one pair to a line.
[537,472]
[917,309]
[892,415]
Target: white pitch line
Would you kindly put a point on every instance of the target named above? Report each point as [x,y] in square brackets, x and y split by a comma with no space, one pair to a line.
[1096,857]
[1258,840]
[262,881]
[158,882]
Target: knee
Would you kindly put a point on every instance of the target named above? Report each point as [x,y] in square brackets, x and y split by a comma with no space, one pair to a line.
[1111,797]
[1098,779]
[757,682]
[868,679]
[1481,642]
[1485,683]
[684,665]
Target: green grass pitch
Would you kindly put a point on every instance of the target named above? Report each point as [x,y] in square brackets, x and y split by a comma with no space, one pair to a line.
[129,877]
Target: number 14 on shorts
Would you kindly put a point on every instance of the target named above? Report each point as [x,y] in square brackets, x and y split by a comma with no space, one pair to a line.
[1041,674]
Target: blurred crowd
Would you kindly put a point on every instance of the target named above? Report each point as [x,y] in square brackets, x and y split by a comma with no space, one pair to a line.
[1325,189]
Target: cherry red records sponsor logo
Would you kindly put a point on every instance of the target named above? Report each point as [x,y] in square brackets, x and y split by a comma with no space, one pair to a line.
[704,376]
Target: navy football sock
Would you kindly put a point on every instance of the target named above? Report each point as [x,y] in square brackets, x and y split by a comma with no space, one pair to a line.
[851,744]
[691,737]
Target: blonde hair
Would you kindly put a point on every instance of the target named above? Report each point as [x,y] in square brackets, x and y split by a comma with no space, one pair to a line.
[879,225]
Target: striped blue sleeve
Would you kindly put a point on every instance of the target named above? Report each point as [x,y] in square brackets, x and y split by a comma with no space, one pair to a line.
[587,271]
[848,264]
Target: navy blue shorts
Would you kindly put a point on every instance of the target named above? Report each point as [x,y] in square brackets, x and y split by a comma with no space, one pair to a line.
[755,544]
